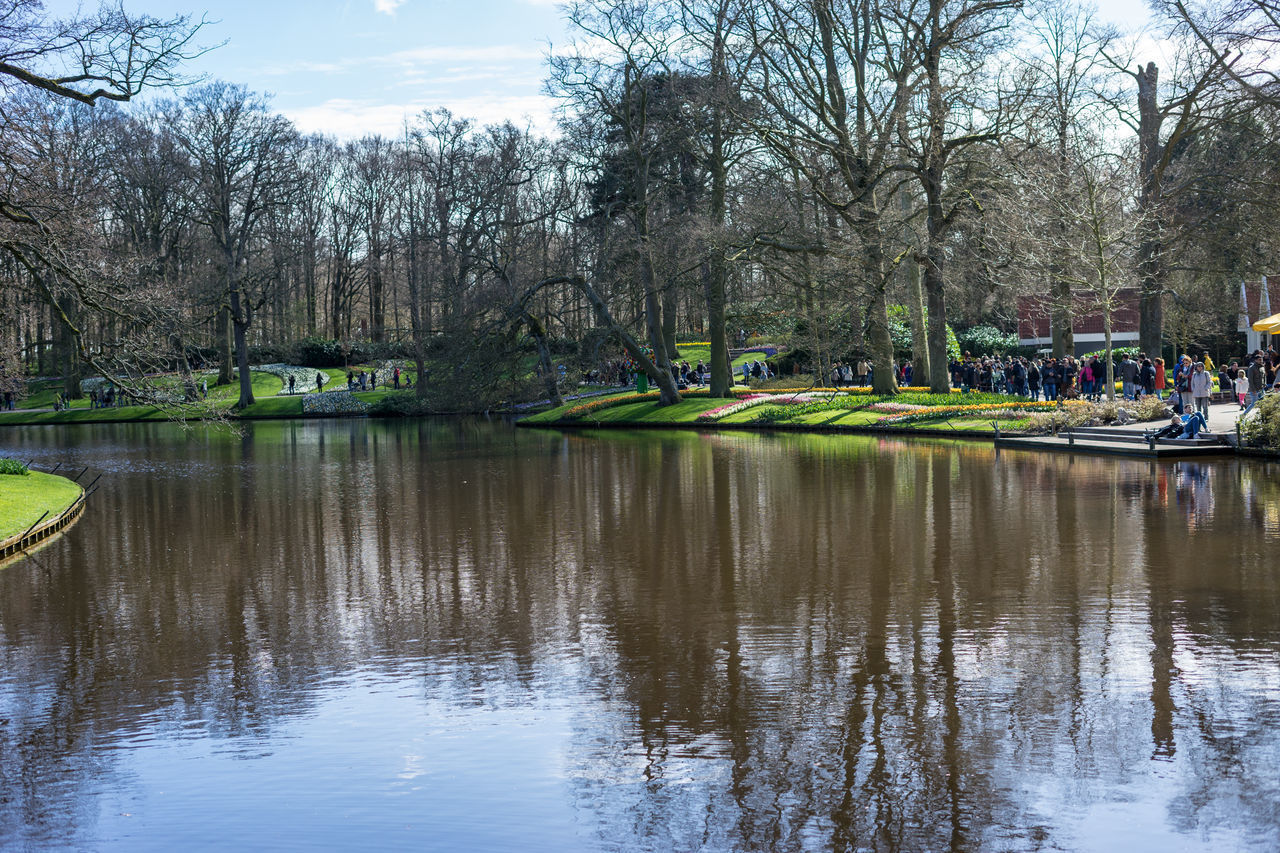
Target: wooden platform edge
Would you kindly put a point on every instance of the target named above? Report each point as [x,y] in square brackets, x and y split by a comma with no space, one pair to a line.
[1119,448]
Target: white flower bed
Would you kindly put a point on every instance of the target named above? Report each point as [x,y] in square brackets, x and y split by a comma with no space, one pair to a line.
[303,377]
[333,403]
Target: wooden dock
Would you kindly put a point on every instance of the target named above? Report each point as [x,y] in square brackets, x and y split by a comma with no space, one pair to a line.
[1122,441]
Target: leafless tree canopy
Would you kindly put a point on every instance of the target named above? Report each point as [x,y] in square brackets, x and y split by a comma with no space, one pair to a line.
[851,177]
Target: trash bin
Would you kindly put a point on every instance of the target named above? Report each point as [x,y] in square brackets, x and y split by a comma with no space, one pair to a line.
[642,382]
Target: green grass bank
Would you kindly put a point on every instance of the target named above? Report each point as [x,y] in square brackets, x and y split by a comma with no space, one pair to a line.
[24,498]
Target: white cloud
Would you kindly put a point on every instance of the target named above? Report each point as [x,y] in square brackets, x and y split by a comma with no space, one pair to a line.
[456,55]
[352,119]
[387,7]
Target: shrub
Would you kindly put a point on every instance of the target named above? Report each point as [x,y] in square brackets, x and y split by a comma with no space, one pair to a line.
[315,352]
[13,466]
[1149,408]
[1117,353]
[406,405]
[1263,429]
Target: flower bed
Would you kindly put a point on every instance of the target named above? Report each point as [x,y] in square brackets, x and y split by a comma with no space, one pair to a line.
[734,407]
[303,377]
[595,405]
[896,408]
[936,412]
[587,408]
[332,403]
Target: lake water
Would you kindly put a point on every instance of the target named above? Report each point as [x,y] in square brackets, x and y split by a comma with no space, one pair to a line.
[464,636]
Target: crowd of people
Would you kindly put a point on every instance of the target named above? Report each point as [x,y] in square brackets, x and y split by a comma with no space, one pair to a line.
[1046,378]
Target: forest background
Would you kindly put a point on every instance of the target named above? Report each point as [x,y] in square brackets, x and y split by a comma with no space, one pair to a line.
[848,177]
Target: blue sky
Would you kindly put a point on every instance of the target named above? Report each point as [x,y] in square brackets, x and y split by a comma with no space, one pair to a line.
[351,67]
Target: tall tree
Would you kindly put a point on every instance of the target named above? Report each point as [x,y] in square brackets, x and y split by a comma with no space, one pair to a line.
[958,106]
[610,79]
[835,80]
[242,157]
[110,55]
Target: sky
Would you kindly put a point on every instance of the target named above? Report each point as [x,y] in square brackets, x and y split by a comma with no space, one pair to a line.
[348,68]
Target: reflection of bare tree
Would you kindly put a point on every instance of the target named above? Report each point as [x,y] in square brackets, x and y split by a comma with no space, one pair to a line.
[768,643]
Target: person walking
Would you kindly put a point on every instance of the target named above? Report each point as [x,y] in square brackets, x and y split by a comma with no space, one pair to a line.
[1256,374]
[1050,375]
[319,382]
[1161,379]
[1241,385]
[1128,372]
[1183,402]
[1147,377]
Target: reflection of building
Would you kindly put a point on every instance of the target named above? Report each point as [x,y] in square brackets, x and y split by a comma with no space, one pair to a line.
[1034,322]
[1255,304]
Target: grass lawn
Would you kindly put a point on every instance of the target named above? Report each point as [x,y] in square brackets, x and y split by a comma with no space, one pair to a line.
[860,418]
[24,499]
[289,406]
[263,384]
[651,413]
[693,355]
[84,416]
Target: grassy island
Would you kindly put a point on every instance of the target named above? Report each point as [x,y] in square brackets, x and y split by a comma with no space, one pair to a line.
[852,409]
[25,497]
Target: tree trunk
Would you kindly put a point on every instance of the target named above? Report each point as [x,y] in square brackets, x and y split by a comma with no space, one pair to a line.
[713,284]
[715,268]
[659,373]
[883,380]
[222,336]
[240,320]
[939,380]
[918,316]
[549,377]
[1151,273]
[1064,338]
[1111,369]
[880,342]
[670,313]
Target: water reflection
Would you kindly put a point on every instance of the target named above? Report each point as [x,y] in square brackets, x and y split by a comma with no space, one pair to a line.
[460,635]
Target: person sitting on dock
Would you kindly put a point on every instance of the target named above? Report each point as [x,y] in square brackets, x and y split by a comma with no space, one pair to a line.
[1184,426]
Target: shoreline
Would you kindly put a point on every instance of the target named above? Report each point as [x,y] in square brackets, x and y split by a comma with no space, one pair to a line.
[998,441]
[529,420]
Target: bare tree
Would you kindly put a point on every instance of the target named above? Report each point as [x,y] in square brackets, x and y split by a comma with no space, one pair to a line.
[959,106]
[242,156]
[110,55]
[1165,116]
[608,80]
[1240,36]
[836,77]
[1066,52]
